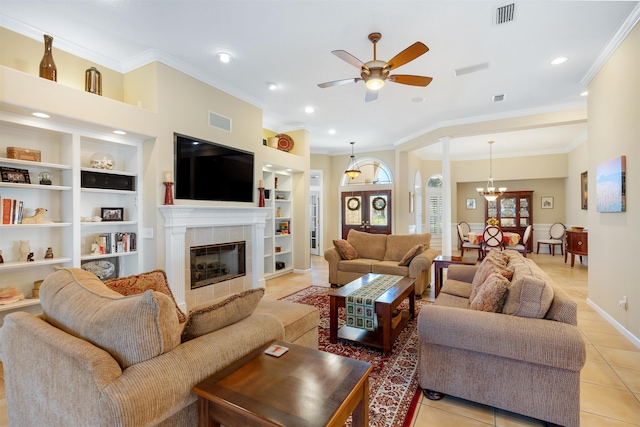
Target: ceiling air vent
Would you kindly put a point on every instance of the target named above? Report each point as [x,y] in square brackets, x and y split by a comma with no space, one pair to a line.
[220,122]
[498,98]
[504,14]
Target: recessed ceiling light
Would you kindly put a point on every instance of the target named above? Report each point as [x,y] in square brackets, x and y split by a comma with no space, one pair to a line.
[560,60]
[332,131]
[269,166]
[42,115]
[119,132]
[309,110]
[289,170]
[418,99]
[272,85]
[224,57]
[585,93]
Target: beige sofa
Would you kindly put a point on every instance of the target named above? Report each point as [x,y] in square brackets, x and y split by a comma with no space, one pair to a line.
[97,358]
[380,253]
[528,365]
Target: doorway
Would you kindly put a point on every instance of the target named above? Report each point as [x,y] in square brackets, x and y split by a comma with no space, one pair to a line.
[315,223]
[367,211]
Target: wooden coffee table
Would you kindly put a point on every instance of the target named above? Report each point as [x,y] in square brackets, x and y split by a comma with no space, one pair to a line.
[303,387]
[384,336]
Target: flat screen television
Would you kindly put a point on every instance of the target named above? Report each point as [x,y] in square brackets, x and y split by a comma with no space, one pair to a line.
[208,171]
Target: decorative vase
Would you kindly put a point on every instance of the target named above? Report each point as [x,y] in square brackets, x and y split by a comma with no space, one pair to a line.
[93,81]
[48,68]
[168,193]
[261,201]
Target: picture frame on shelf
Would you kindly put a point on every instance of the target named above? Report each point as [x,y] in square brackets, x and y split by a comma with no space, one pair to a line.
[104,268]
[112,214]
[17,176]
[547,202]
[471,204]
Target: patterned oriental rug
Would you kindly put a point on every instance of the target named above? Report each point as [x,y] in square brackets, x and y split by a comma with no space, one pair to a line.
[393,383]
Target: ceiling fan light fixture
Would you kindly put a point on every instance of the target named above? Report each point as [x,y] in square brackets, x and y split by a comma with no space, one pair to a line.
[374,83]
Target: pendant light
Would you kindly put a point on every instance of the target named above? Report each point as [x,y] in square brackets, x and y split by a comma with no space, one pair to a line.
[490,192]
[352,170]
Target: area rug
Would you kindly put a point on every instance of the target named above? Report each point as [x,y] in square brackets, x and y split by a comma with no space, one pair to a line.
[393,383]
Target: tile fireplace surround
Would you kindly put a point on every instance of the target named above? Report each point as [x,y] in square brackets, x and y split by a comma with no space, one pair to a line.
[186,226]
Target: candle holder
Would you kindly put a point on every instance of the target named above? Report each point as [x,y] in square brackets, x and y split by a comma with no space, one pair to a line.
[261,202]
[168,193]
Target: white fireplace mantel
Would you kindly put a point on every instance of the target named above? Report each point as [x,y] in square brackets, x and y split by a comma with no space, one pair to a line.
[178,218]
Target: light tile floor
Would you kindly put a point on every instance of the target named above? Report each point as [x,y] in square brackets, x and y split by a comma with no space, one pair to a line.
[610,380]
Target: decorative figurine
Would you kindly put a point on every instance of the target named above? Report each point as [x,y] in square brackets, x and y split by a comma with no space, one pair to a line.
[25,249]
[95,248]
[49,254]
[45,178]
[37,218]
[30,257]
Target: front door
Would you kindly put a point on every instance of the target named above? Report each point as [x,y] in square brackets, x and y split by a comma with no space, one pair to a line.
[368,211]
[315,223]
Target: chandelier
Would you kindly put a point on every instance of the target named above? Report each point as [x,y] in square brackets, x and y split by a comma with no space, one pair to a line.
[490,192]
[352,170]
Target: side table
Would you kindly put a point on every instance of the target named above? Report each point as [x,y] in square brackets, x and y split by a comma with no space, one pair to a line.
[443,261]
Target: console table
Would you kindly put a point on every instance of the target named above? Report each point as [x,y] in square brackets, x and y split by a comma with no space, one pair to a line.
[576,244]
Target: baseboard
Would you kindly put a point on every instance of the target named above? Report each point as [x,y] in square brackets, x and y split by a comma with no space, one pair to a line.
[305,271]
[634,340]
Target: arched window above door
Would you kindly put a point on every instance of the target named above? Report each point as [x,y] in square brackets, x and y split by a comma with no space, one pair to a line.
[373,172]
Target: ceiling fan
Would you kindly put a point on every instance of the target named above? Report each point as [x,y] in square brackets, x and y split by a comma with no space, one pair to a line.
[374,73]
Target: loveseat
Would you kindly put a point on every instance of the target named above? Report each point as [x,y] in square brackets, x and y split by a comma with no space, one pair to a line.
[381,253]
[524,358]
[98,358]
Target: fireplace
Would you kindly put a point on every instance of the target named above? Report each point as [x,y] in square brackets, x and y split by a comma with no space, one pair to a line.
[192,226]
[216,263]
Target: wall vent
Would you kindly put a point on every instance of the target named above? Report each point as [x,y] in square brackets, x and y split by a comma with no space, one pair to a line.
[220,122]
[498,98]
[504,14]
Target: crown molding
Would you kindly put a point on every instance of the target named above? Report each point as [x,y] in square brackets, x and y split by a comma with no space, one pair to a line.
[624,30]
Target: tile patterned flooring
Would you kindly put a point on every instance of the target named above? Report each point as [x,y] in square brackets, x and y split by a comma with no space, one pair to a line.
[610,379]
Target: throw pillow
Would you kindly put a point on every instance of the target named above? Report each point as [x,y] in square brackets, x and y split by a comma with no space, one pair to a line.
[155,280]
[220,313]
[132,329]
[411,254]
[492,294]
[487,267]
[529,296]
[345,249]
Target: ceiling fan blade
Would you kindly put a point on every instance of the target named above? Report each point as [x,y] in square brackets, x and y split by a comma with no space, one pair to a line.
[406,79]
[340,82]
[347,57]
[371,95]
[407,55]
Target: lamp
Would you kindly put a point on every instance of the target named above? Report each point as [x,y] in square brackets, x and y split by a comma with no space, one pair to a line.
[352,170]
[490,193]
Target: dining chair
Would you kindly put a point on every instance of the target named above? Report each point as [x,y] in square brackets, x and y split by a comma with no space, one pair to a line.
[462,237]
[491,239]
[522,246]
[556,234]
[466,244]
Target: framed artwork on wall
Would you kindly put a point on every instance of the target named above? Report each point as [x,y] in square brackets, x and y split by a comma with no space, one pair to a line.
[584,190]
[547,202]
[611,191]
[471,204]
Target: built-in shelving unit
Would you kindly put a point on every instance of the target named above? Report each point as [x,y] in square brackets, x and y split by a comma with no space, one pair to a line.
[65,152]
[278,234]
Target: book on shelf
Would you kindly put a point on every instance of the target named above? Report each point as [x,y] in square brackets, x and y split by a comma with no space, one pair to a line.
[112,243]
[12,211]
[6,211]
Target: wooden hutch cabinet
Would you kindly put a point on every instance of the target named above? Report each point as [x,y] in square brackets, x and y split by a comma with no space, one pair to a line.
[514,212]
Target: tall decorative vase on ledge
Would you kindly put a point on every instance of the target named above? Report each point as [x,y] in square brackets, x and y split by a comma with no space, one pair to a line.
[48,68]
